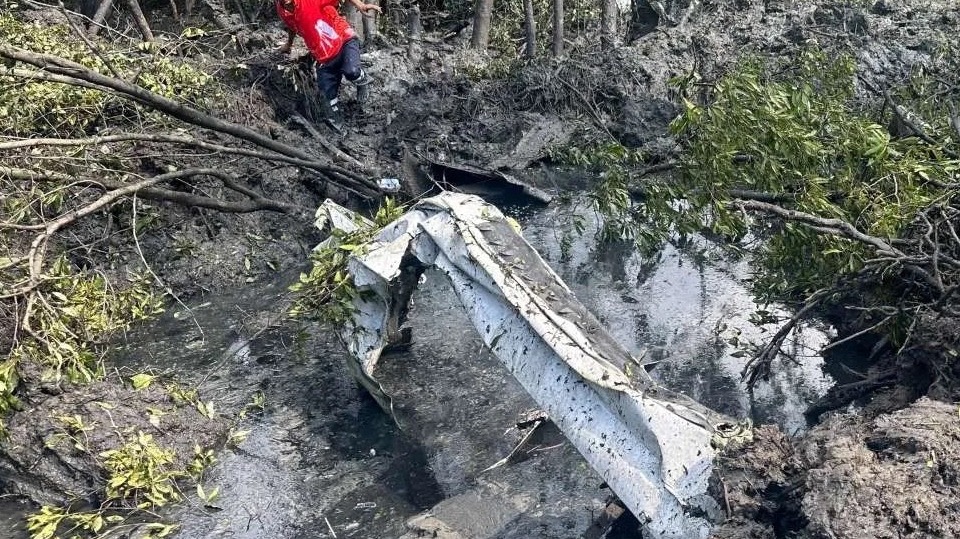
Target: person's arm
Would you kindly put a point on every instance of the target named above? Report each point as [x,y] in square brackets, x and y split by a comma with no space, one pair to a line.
[285,48]
[365,8]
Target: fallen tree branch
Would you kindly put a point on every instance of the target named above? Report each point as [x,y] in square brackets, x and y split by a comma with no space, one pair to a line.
[853,336]
[24,174]
[840,226]
[906,118]
[759,365]
[844,229]
[257,201]
[840,396]
[38,247]
[72,73]
[311,164]
[86,40]
[336,152]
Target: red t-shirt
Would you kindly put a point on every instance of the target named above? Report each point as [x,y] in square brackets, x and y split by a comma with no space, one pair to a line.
[319,24]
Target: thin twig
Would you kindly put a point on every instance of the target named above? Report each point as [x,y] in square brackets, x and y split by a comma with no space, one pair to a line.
[90,45]
[849,338]
[163,285]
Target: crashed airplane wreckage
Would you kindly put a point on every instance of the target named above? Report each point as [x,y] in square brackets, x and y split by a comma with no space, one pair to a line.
[653,447]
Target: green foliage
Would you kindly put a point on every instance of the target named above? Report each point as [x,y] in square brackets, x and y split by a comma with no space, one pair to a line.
[327,293]
[49,108]
[613,163]
[142,470]
[74,313]
[481,68]
[792,131]
[140,476]
[596,156]
[202,459]
[45,523]
[78,310]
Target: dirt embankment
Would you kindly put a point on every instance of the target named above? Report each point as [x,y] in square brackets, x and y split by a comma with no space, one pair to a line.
[897,475]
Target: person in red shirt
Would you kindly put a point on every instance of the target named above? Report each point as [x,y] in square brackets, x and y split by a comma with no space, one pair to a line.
[333,44]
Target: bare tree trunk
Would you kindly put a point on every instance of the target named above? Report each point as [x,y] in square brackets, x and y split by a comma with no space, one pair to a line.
[140,20]
[481,24]
[413,32]
[352,14]
[97,21]
[174,10]
[370,24]
[608,23]
[557,27]
[531,26]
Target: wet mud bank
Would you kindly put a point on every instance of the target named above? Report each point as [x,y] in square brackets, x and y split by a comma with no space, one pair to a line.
[895,475]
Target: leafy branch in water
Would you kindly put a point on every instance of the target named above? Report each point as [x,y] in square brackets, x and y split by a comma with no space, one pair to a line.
[327,293]
[784,153]
[609,198]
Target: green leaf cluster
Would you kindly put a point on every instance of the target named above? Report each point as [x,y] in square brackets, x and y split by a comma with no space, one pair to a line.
[139,476]
[793,130]
[613,164]
[327,293]
[75,312]
[45,523]
[38,108]
[142,469]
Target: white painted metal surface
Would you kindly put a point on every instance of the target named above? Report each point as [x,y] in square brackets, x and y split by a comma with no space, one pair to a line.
[653,447]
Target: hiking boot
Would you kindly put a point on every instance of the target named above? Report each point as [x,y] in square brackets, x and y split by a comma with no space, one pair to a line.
[333,117]
[363,87]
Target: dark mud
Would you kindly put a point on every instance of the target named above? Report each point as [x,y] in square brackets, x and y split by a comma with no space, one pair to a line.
[57,440]
[892,476]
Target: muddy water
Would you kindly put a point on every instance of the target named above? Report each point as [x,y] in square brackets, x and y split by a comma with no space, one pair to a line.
[322,460]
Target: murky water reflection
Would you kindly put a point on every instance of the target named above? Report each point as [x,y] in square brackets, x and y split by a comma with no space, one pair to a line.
[324,457]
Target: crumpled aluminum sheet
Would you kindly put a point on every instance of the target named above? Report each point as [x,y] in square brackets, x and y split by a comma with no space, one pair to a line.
[651,446]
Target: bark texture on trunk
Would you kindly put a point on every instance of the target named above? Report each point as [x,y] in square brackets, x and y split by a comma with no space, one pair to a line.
[557,27]
[140,20]
[531,26]
[481,24]
[608,23]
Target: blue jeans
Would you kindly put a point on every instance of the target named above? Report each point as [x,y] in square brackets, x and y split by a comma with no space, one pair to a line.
[346,64]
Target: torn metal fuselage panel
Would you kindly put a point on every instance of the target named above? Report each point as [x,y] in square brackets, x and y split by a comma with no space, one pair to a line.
[651,446]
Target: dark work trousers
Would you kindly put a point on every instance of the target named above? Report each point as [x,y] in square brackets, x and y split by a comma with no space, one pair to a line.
[346,64]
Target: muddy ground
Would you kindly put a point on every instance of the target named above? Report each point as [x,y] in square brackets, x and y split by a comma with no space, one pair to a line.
[895,475]
[892,474]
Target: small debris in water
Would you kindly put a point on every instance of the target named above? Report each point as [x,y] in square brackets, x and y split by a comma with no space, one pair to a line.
[333,533]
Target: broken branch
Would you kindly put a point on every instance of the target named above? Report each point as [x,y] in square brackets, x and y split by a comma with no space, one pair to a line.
[61,70]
